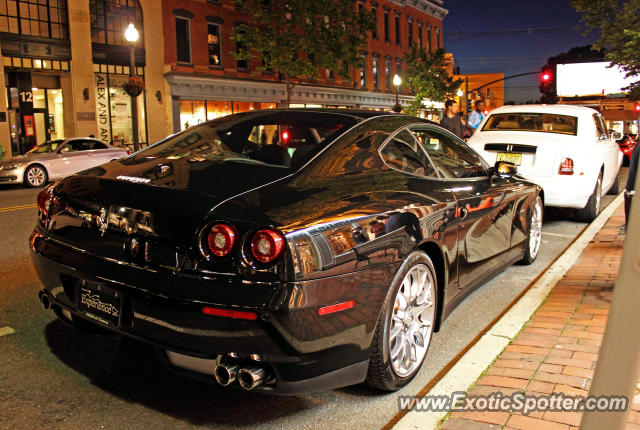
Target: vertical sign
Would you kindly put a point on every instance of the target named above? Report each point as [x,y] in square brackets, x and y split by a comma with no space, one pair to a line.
[102,107]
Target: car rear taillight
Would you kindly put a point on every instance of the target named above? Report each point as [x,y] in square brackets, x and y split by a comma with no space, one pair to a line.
[267,245]
[566,167]
[221,239]
[44,202]
[128,152]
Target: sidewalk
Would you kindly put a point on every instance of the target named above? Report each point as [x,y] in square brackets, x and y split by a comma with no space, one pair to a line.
[557,349]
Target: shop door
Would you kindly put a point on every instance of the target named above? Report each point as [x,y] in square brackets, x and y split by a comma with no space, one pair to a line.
[41,117]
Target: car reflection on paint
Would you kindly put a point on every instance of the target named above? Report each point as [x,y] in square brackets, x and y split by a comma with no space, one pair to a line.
[285,251]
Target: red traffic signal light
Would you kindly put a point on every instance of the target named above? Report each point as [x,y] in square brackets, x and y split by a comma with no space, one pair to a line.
[545,77]
[637,107]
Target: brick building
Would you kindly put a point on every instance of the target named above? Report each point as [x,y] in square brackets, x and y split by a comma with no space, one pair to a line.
[205,81]
[63,62]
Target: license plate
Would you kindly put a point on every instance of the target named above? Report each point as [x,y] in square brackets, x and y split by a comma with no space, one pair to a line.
[100,303]
[513,157]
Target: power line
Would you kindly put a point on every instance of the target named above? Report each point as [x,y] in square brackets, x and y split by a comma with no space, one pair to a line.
[459,36]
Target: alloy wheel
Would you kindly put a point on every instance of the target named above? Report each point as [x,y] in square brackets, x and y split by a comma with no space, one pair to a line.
[535,230]
[412,320]
[36,176]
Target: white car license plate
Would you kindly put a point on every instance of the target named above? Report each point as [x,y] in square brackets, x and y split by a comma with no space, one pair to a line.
[513,157]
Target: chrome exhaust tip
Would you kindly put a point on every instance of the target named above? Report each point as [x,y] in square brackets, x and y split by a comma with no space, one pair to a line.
[226,373]
[250,377]
[44,299]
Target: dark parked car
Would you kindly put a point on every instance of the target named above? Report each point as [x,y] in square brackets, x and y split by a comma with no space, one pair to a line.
[285,250]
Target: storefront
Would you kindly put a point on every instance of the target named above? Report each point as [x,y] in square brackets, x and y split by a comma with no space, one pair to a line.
[35,110]
[196,99]
[193,112]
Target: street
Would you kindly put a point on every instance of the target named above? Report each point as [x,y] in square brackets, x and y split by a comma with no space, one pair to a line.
[52,376]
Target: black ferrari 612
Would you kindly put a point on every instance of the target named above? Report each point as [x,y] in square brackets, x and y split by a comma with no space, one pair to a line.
[285,251]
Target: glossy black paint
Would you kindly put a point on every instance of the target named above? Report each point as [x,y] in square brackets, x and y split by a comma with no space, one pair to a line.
[349,220]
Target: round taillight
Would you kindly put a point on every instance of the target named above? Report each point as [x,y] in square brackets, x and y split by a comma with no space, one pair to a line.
[267,245]
[221,239]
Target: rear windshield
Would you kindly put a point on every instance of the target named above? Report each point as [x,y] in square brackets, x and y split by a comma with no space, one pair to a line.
[279,139]
[540,122]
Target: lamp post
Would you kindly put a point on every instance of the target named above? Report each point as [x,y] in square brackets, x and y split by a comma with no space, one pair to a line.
[131,35]
[397,81]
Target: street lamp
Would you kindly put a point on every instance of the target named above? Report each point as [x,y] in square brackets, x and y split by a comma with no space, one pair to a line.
[131,35]
[460,93]
[397,81]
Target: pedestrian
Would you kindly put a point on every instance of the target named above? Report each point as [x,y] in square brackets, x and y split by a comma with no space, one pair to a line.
[477,115]
[451,120]
[631,183]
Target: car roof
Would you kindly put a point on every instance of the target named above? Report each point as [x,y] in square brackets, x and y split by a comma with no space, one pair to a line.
[543,108]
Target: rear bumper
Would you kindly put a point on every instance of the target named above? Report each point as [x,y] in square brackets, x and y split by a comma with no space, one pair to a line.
[303,351]
[564,191]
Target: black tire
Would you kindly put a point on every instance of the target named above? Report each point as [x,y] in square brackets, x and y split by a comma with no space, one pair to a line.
[615,188]
[592,209]
[36,176]
[381,374]
[530,254]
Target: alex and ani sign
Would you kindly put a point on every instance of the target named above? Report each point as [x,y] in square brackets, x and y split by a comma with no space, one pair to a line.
[102,107]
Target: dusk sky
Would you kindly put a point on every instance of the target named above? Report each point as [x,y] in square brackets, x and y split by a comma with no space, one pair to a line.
[511,49]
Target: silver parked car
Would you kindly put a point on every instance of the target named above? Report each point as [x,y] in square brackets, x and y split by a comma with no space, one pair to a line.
[57,159]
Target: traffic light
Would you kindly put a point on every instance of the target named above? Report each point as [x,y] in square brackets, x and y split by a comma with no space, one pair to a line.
[545,77]
[637,107]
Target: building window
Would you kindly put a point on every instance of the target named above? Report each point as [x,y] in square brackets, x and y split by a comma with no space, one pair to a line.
[376,61]
[387,72]
[429,36]
[183,40]
[410,32]
[420,38]
[374,12]
[399,67]
[110,18]
[43,18]
[213,40]
[363,70]
[386,26]
[437,37]
[398,29]
[241,65]
[328,74]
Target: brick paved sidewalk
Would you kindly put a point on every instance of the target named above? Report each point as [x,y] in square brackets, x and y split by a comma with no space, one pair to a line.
[557,349]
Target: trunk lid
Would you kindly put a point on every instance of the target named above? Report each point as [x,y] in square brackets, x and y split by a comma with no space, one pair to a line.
[538,154]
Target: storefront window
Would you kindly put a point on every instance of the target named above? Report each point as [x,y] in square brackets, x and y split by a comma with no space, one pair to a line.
[194,112]
[113,111]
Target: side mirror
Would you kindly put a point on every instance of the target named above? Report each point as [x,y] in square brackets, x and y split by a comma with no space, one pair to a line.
[505,169]
[615,135]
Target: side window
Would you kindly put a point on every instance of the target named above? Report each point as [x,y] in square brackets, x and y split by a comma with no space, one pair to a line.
[452,159]
[98,145]
[402,153]
[600,130]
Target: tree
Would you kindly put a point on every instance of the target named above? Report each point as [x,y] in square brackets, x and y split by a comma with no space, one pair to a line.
[579,54]
[296,37]
[427,78]
[619,25]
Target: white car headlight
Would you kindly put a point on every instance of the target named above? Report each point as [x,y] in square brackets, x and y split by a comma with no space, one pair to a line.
[13,166]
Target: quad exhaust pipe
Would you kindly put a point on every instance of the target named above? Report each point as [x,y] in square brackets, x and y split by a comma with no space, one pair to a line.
[44,299]
[226,373]
[250,377]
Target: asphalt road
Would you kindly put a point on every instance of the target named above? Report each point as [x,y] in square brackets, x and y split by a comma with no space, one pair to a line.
[51,376]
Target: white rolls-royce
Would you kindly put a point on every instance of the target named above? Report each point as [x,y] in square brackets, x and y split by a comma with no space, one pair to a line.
[565,149]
